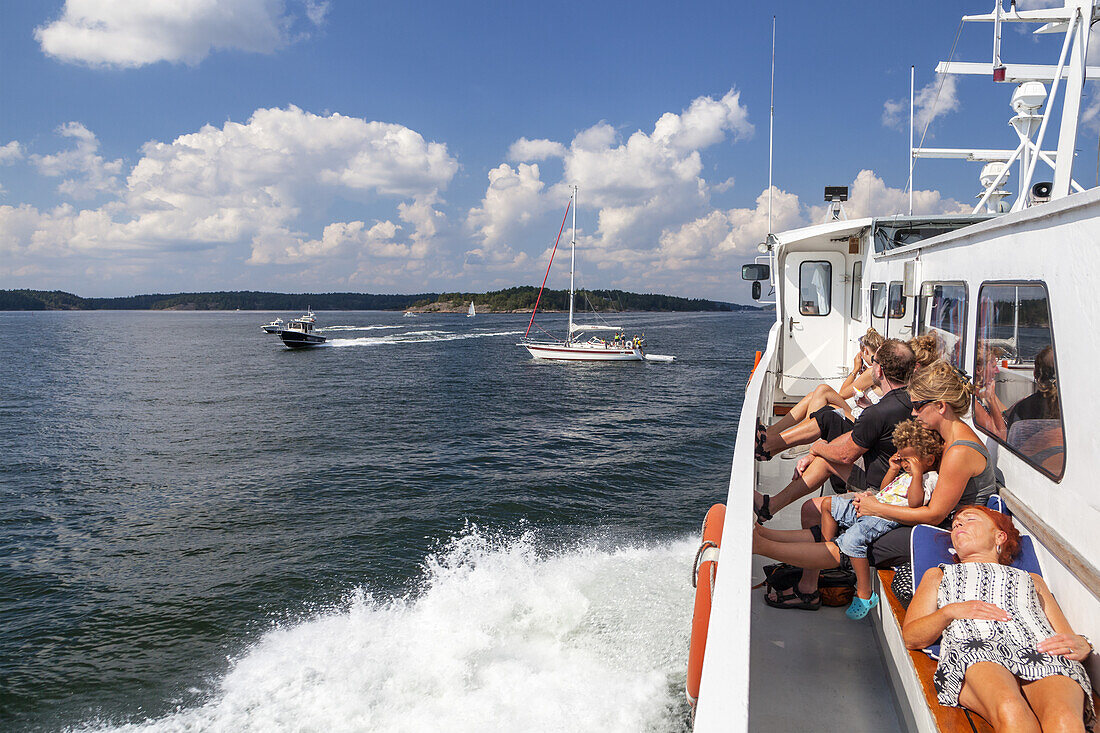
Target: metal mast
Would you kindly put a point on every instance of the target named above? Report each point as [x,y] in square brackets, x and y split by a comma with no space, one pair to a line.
[771,129]
[572,267]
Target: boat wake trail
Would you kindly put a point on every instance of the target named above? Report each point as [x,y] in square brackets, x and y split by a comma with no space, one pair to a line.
[357,328]
[500,635]
[418,337]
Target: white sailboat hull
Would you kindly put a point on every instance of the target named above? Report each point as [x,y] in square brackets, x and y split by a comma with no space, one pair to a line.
[582,352]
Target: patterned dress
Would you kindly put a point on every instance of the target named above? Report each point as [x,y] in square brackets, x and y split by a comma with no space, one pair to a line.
[1010,644]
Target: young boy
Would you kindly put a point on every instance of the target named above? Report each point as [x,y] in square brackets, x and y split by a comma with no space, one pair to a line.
[909,482]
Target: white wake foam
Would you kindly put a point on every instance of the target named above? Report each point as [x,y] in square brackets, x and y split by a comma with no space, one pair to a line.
[418,337]
[357,328]
[500,637]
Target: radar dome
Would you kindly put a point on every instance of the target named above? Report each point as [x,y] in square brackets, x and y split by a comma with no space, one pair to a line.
[991,172]
[1029,96]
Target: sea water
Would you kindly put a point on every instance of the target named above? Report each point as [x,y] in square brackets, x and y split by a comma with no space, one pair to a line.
[414,527]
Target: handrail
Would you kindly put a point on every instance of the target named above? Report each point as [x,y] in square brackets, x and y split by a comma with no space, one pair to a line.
[1085,572]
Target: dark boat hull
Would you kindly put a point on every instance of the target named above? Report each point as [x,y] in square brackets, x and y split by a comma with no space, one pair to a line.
[299,340]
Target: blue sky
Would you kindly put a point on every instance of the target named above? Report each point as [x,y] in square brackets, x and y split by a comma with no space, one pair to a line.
[294,145]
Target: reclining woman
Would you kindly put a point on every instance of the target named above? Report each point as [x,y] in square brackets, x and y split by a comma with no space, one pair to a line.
[1008,653]
[798,428]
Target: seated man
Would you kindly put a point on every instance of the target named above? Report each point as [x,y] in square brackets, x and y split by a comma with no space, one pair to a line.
[843,442]
[871,436]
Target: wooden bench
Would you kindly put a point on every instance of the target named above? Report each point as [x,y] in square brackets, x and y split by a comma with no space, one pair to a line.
[949,720]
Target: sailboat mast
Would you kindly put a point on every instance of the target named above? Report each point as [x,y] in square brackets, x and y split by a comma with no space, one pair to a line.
[572,267]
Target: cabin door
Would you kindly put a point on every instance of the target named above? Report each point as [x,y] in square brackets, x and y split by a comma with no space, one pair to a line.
[813,333]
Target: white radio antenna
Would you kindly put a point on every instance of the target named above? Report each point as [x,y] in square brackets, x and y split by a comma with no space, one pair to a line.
[912,81]
[771,128]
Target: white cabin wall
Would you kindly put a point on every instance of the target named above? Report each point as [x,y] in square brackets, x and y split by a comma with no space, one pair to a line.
[1060,247]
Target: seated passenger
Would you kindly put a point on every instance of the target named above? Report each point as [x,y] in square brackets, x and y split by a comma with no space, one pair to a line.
[909,482]
[1008,653]
[1044,403]
[798,427]
[926,348]
[843,442]
[941,398]
[988,408]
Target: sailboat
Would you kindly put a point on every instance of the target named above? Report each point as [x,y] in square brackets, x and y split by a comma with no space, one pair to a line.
[574,347]
[471,313]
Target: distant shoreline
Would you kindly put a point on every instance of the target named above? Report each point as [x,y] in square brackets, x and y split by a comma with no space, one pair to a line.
[513,300]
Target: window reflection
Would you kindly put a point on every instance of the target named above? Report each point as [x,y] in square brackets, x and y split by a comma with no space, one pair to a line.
[815,284]
[1018,400]
[942,311]
[878,300]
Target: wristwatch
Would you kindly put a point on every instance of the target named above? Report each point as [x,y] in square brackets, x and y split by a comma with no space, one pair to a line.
[1092,649]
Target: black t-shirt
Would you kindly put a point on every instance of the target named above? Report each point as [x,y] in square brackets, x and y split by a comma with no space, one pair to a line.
[874,431]
[1032,407]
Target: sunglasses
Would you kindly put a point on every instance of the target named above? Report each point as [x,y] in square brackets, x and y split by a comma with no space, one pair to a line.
[921,404]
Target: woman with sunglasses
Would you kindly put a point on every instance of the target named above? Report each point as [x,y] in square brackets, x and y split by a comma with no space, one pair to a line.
[941,397]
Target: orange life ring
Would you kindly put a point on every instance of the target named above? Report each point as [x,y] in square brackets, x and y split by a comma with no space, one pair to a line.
[703,575]
[754,365]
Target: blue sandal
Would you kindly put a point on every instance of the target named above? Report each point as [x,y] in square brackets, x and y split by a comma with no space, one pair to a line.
[861,607]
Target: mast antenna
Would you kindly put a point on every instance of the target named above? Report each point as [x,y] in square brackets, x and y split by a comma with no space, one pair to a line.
[771,130]
[912,81]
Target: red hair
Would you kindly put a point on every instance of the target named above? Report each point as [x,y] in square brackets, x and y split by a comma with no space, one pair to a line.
[1003,523]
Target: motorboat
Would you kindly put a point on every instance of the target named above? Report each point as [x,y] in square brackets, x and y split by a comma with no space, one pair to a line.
[300,333]
[575,347]
[995,285]
[273,327]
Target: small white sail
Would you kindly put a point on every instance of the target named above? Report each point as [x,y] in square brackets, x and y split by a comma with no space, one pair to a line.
[471,313]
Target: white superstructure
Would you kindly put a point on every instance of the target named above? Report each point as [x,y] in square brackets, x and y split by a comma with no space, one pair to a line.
[997,289]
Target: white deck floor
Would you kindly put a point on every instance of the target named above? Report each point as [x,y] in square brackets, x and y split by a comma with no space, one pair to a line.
[813,670]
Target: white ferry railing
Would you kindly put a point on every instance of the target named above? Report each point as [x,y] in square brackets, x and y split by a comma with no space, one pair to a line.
[724,686]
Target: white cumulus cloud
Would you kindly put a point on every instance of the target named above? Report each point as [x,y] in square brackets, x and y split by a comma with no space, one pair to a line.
[637,187]
[248,192]
[937,98]
[132,33]
[88,174]
[11,152]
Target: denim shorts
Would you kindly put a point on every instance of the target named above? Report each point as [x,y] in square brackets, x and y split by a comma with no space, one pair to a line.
[861,532]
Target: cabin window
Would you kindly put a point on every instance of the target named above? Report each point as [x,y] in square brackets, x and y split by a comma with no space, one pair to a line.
[896,301]
[815,288]
[857,292]
[941,309]
[1019,399]
[878,300]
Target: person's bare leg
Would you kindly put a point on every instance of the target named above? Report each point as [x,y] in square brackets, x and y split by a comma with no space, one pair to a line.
[829,526]
[1058,702]
[862,568]
[822,395]
[817,555]
[803,433]
[810,481]
[993,692]
[787,535]
[813,512]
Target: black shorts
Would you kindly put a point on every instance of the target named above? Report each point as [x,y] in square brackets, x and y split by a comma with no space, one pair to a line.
[891,549]
[832,423]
